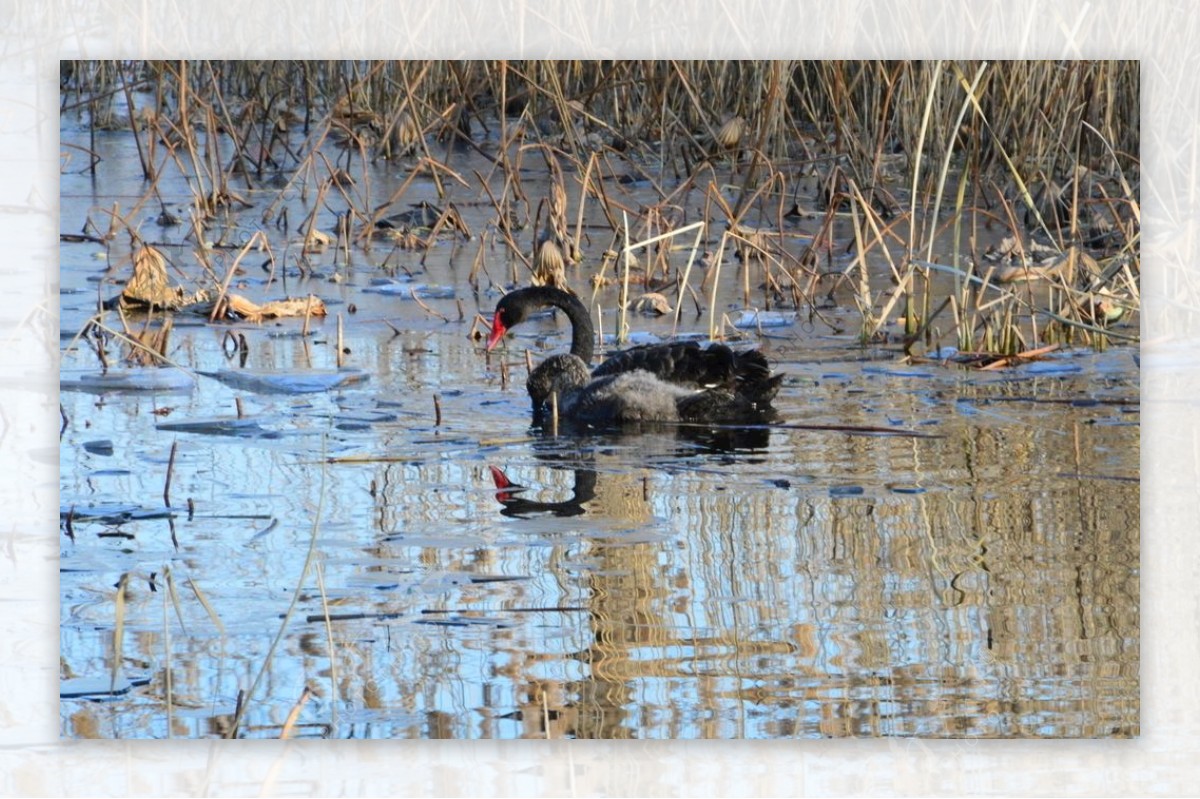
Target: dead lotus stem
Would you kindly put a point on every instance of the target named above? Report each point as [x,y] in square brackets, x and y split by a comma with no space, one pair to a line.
[259,239]
[341,347]
[238,706]
[554,413]
[424,307]
[437,411]
[434,166]
[147,160]
[477,264]
[170,468]
[965,340]
[95,324]
[746,283]
[599,324]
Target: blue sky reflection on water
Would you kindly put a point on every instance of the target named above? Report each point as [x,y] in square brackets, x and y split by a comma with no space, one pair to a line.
[799,584]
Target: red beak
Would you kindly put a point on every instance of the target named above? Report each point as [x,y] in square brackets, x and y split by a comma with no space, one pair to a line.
[498,331]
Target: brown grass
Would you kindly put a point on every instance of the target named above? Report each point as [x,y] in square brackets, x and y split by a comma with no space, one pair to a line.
[922,159]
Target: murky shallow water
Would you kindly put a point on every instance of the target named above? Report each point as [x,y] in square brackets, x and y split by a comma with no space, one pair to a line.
[980,579]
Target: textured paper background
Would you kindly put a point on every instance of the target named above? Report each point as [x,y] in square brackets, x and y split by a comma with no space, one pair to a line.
[1164,761]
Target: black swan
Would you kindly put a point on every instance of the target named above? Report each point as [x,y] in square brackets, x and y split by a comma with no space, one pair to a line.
[673,382]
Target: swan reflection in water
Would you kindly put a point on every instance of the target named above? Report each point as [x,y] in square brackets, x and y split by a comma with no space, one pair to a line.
[508,495]
[685,442]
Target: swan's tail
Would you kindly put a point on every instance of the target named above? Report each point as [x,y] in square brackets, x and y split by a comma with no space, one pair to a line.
[754,379]
[746,373]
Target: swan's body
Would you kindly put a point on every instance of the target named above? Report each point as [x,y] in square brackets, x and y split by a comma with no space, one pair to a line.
[674,382]
[635,396]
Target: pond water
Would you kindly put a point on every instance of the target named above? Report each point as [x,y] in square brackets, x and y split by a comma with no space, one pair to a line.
[916,550]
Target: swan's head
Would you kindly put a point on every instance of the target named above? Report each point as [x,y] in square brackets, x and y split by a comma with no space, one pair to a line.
[558,374]
[504,318]
[512,310]
[517,306]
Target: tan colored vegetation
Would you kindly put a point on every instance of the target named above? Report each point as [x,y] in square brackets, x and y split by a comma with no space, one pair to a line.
[906,166]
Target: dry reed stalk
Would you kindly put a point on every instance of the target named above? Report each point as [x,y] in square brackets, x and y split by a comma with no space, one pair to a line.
[501,224]
[312,146]
[865,106]
[687,271]
[860,204]
[970,90]
[863,293]
[424,146]
[118,630]
[294,715]
[333,671]
[208,608]
[712,302]
[309,560]
[622,324]
[173,594]
[584,188]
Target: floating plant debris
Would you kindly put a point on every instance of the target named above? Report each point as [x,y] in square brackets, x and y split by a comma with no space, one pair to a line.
[289,381]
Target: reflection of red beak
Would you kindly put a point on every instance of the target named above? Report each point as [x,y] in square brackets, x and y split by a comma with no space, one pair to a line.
[500,478]
[506,489]
[498,331]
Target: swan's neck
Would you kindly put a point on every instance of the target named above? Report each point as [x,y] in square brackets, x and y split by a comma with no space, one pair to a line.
[583,343]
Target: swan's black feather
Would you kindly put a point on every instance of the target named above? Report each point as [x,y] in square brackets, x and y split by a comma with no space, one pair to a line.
[676,381]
